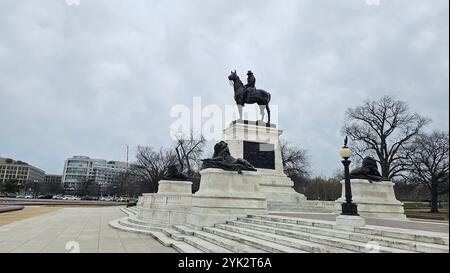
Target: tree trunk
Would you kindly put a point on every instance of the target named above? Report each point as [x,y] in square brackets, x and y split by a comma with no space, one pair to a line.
[434,197]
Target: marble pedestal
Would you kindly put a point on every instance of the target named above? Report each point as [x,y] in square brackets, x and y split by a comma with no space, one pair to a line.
[169,205]
[226,195]
[374,200]
[277,187]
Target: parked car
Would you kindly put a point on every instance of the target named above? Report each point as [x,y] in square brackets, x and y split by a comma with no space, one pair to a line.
[20,196]
[68,197]
[7,194]
[29,196]
[131,203]
[122,199]
[57,197]
[45,196]
[89,198]
[107,198]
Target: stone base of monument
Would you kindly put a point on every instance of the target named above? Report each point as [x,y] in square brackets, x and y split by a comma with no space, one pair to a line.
[349,223]
[169,205]
[226,195]
[374,200]
[279,191]
[260,145]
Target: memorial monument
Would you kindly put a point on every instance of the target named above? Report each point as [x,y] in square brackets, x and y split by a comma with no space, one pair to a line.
[259,144]
[244,176]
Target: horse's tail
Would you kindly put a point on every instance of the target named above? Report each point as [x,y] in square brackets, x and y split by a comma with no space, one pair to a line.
[269,98]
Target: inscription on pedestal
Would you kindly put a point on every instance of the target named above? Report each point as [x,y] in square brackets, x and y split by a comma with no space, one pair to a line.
[260,155]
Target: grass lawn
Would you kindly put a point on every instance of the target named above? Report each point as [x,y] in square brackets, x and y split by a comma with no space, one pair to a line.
[442,215]
[421,210]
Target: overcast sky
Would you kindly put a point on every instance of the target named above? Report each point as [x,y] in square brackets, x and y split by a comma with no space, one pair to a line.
[87,79]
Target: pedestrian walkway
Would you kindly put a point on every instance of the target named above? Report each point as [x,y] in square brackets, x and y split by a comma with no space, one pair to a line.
[80,229]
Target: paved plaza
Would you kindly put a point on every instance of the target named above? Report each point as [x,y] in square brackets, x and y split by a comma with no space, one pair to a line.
[83,229]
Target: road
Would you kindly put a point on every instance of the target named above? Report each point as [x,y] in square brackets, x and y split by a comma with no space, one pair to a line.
[25,202]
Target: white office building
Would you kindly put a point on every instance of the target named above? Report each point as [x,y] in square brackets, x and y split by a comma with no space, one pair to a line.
[78,169]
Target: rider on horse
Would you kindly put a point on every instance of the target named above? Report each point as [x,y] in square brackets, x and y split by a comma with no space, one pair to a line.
[251,81]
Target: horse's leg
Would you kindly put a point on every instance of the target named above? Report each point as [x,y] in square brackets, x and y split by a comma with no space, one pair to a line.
[268,113]
[240,111]
[261,110]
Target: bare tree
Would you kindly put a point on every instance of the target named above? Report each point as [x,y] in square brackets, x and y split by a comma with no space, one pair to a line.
[189,150]
[381,129]
[296,165]
[152,165]
[327,189]
[295,160]
[86,186]
[429,165]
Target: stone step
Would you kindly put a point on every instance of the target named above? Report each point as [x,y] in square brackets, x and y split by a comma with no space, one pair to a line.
[388,232]
[407,234]
[179,246]
[127,211]
[126,222]
[252,241]
[231,245]
[365,238]
[151,223]
[205,245]
[184,230]
[283,208]
[289,241]
[173,233]
[327,240]
[295,220]
[133,209]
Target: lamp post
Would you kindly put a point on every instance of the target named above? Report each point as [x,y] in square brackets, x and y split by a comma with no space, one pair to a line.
[348,208]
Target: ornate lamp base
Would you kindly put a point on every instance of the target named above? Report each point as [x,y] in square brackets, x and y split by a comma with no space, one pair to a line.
[350,209]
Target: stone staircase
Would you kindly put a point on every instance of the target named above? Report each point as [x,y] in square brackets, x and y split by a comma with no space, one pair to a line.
[296,208]
[130,211]
[270,233]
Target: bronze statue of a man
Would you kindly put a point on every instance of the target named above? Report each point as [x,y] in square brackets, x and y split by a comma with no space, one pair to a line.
[251,80]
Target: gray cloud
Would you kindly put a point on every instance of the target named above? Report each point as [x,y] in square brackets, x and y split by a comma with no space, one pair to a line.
[88,79]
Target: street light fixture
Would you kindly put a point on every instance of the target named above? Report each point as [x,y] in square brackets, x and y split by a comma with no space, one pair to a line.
[348,208]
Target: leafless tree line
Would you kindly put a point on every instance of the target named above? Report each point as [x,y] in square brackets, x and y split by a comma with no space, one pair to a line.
[387,130]
[152,164]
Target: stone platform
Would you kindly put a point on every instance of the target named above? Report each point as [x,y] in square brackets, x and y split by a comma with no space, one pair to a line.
[225,195]
[260,145]
[374,200]
[167,207]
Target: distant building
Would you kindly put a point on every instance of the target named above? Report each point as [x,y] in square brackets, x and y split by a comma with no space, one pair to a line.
[79,169]
[19,170]
[53,178]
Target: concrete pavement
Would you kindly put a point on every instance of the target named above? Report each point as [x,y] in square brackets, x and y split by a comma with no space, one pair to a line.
[80,229]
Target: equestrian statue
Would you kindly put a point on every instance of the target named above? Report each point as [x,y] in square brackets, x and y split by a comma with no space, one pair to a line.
[248,94]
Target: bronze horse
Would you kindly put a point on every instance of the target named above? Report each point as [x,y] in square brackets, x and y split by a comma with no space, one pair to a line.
[244,96]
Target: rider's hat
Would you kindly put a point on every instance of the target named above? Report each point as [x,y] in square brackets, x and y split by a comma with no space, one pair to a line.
[249,72]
